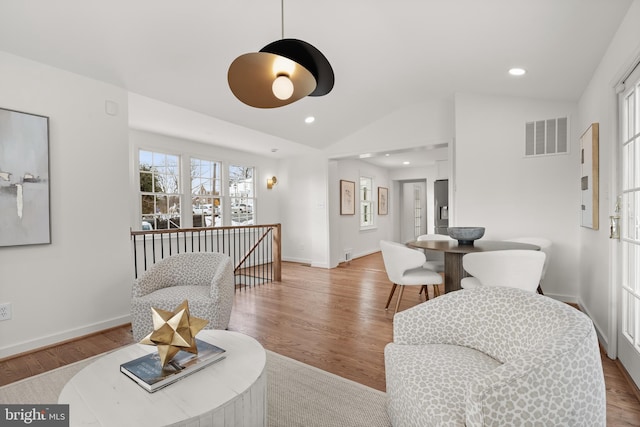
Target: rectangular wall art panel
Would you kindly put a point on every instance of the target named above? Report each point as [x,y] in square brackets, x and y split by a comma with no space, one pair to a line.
[589,177]
[24,179]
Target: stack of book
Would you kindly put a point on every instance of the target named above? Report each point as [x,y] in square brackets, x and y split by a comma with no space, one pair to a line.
[147,371]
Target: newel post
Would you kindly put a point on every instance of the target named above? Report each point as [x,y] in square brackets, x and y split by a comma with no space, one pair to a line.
[277,253]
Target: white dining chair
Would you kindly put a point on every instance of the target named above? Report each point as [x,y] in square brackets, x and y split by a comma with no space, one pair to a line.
[545,246]
[434,259]
[509,268]
[404,267]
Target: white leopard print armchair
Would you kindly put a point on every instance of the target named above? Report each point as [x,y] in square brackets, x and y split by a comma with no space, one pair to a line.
[205,279]
[494,357]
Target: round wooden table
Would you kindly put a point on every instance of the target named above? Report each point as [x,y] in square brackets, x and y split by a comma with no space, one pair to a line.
[231,392]
[453,253]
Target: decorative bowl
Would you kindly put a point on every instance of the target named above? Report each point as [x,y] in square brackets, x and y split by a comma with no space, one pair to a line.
[465,235]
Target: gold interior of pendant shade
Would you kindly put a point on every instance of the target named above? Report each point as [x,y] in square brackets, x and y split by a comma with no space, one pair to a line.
[251,78]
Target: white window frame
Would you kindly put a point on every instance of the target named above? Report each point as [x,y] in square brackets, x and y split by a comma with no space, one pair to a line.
[242,194]
[367,203]
[163,213]
[207,192]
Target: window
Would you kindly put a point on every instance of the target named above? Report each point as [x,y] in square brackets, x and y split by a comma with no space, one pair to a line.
[417,211]
[242,195]
[366,202]
[206,193]
[159,190]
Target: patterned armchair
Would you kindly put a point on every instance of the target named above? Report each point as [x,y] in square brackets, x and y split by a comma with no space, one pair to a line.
[205,279]
[494,357]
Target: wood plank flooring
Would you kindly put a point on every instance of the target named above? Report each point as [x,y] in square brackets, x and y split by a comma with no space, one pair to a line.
[332,319]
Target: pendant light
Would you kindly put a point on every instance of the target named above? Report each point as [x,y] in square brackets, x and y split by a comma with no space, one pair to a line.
[281,73]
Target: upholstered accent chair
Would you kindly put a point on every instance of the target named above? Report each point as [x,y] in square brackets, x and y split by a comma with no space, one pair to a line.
[204,279]
[494,356]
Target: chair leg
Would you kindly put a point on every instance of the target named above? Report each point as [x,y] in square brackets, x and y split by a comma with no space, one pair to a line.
[436,290]
[393,289]
[399,298]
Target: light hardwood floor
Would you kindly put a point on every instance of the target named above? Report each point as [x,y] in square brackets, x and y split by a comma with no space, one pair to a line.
[332,319]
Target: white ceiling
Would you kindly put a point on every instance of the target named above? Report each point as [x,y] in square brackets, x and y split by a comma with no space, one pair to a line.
[385,55]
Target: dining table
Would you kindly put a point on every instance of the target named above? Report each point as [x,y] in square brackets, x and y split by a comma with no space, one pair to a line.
[454,251]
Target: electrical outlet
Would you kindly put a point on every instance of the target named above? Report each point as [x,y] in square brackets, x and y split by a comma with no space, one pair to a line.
[5,311]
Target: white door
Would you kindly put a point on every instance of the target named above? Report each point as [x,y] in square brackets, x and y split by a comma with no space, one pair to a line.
[629,295]
[413,210]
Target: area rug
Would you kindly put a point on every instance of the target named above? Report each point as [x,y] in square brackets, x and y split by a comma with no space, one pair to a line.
[298,395]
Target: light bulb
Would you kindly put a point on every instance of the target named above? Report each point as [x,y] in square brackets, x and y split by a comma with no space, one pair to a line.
[282,87]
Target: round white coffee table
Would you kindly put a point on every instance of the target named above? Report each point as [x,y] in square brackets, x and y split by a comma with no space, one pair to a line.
[230,392]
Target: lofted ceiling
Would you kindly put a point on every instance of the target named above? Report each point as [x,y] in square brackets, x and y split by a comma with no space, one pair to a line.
[385,55]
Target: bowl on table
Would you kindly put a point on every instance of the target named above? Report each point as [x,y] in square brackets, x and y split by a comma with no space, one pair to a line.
[465,235]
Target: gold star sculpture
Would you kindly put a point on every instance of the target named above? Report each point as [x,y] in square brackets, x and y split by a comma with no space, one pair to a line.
[174,331]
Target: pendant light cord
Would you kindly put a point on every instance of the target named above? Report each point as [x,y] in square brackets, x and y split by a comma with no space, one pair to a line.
[282,16]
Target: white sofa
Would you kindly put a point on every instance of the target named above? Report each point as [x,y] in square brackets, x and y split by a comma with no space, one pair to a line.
[205,279]
[494,357]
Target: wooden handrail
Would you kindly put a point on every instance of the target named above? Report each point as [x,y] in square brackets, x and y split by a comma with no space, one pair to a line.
[198,229]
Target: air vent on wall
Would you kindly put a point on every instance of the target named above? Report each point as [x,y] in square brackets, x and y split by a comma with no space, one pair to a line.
[547,137]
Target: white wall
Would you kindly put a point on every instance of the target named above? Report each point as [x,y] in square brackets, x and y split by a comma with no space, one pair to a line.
[304,210]
[423,124]
[345,229]
[512,196]
[81,282]
[597,271]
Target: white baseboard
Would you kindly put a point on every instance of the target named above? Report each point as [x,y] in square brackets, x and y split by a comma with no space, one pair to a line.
[320,265]
[360,255]
[298,260]
[59,337]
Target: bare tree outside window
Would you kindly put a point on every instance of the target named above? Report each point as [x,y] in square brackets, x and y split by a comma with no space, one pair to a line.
[159,190]
[242,195]
[206,193]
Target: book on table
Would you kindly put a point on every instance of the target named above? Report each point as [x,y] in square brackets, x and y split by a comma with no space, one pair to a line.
[148,372]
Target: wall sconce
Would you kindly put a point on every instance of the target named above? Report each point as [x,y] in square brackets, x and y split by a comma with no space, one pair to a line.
[271,182]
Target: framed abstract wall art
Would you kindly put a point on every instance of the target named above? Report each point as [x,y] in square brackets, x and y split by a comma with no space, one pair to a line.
[347,197]
[383,201]
[589,177]
[24,179]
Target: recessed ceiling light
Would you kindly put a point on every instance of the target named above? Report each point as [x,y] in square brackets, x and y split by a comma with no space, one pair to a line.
[517,71]
[406,163]
[310,119]
[387,155]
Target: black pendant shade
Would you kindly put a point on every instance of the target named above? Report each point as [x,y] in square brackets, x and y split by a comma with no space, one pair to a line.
[309,57]
[251,76]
